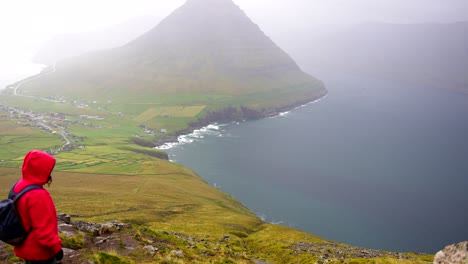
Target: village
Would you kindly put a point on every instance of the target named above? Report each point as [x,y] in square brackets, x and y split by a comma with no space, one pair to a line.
[54,123]
[58,123]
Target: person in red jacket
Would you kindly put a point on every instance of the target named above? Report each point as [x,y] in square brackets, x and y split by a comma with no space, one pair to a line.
[37,211]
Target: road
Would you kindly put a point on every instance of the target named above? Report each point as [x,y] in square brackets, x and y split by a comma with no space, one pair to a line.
[16,93]
[35,77]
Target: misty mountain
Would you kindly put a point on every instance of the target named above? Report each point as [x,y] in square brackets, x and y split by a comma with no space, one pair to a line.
[205,46]
[70,45]
[425,54]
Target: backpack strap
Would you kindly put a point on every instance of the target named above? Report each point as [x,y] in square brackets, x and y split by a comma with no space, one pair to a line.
[12,193]
[15,196]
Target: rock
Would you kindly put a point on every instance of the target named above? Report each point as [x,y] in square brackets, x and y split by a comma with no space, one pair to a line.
[64,218]
[257,261]
[99,229]
[178,253]
[68,230]
[92,228]
[100,240]
[114,225]
[67,251]
[152,250]
[5,253]
[334,251]
[224,239]
[439,256]
[453,254]
[71,256]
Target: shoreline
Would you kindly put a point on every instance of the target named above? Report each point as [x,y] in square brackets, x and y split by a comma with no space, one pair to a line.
[183,136]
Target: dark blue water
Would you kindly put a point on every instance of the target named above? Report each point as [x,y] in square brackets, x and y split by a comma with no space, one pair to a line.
[375,164]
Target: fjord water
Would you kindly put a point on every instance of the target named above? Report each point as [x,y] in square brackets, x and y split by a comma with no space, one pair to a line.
[375,163]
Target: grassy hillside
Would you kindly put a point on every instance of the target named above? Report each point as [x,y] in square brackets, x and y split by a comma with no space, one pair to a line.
[108,177]
[169,199]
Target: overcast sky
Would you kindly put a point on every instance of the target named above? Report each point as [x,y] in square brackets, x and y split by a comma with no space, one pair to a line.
[26,24]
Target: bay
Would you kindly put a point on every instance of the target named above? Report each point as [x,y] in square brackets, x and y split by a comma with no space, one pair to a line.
[375,163]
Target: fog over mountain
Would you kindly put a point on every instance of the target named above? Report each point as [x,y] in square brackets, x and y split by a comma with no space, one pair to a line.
[434,54]
[312,32]
[74,44]
[26,25]
[205,46]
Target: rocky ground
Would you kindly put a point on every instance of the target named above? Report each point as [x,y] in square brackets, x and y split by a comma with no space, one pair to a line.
[456,254]
[338,253]
[115,242]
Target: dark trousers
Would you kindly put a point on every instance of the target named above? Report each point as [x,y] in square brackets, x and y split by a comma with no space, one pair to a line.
[50,261]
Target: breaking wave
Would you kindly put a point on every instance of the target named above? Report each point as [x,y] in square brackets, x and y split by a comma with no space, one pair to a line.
[196,135]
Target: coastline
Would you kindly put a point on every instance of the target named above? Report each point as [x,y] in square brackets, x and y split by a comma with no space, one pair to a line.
[193,133]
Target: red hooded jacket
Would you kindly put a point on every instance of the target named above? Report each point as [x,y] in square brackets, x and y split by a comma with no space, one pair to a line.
[37,210]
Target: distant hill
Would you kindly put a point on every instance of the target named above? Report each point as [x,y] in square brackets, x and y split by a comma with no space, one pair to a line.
[427,54]
[204,47]
[71,45]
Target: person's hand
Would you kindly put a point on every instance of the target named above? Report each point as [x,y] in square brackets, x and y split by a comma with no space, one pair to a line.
[59,255]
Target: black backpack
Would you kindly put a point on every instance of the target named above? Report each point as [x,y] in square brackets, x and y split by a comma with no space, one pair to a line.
[11,227]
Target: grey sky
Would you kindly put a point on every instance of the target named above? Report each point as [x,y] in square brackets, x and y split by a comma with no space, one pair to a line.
[281,14]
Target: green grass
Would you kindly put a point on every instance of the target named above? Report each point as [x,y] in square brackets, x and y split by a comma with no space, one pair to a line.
[15,139]
[167,199]
[110,258]
[75,241]
[169,111]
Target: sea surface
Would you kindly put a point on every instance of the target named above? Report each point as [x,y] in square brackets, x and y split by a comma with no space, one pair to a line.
[375,163]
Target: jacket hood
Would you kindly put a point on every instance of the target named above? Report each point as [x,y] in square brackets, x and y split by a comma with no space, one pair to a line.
[37,167]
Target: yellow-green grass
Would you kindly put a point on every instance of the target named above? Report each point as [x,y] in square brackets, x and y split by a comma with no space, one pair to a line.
[119,123]
[104,159]
[170,111]
[170,199]
[171,124]
[423,260]
[15,139]
[274,242]
[8,127]
[109,135]
[176,200]
[46,106]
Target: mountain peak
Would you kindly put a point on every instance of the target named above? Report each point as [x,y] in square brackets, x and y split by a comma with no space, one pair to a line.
[210,2]
[204,46]
[216,31]
[204,18]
